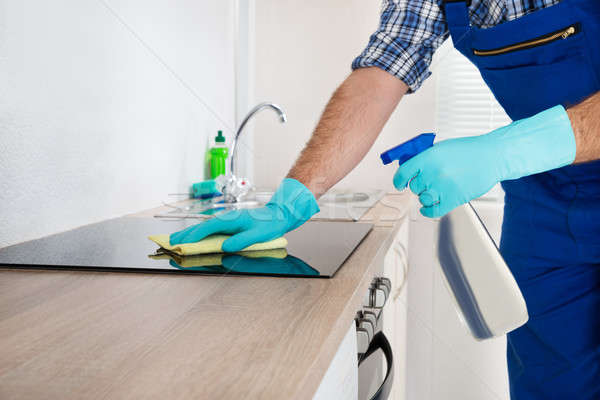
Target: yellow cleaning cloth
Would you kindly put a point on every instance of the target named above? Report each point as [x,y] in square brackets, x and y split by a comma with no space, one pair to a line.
[201,260]
[209,260]
[212,244]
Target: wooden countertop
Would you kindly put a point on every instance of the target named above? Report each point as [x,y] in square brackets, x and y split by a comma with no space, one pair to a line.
[89,335]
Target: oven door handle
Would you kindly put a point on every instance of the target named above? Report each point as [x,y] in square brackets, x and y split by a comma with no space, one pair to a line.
[380,342]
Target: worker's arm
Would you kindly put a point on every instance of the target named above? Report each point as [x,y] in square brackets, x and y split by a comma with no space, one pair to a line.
[351,122]
[348,127]
[585,120]
[455,171]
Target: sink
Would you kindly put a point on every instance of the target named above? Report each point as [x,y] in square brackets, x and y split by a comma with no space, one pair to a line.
[205,209]
[347,206]
[342,206]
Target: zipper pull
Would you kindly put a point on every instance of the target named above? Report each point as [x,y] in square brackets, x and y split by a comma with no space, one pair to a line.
[568,32]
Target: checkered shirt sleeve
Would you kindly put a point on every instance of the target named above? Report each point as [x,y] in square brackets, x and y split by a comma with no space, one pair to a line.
[409,33]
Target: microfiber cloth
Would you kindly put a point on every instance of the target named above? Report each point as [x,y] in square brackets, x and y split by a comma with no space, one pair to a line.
[201,260]
[212,244]
[207,260]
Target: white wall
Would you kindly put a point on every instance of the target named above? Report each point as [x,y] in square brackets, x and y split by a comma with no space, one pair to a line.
[99,106]
[302,54]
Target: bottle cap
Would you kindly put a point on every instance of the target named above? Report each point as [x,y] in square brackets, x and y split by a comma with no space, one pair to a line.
[220,138]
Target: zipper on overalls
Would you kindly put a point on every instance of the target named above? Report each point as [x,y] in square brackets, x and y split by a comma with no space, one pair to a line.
[541,40]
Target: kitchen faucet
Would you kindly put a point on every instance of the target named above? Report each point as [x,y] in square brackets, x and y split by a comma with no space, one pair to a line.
[254,111]
[231,189]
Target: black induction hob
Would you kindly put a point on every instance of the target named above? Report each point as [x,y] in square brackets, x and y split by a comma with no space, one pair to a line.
[315,250]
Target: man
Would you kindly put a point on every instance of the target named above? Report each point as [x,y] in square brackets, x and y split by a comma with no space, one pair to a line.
[541,59]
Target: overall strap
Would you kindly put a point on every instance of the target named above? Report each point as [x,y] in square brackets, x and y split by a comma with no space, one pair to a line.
[457,18]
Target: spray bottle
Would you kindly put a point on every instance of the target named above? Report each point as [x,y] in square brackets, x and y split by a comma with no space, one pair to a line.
[485,293]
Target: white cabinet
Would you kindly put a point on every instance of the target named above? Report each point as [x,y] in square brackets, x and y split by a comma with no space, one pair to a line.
[341,379]
[394,322]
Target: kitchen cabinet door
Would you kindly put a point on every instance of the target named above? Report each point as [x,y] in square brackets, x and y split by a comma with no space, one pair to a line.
[394,323]
[341,379]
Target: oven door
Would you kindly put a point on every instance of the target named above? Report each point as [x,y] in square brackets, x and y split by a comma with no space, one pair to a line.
[375,357]
[376,370]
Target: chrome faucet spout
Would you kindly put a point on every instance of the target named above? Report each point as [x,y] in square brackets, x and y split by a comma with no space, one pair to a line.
[254,111]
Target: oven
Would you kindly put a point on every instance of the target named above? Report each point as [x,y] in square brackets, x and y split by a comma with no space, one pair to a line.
[374,352]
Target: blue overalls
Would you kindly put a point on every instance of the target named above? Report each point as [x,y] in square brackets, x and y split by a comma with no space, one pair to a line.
[551,228]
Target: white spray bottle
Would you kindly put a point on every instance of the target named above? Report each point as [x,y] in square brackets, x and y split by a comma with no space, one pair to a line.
[486,294]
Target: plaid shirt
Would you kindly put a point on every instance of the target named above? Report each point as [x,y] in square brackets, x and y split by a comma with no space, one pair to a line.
[411,30]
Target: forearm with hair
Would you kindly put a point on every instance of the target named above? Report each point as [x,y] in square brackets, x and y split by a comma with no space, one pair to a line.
[350,123]
[585,121]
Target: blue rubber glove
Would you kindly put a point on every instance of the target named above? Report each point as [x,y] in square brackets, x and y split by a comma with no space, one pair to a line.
[291,206]
[455,171]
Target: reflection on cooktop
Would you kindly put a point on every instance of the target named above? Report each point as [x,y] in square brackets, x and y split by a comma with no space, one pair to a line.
[315,250]
[266,262]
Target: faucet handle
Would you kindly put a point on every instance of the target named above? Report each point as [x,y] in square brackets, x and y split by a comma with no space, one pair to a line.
[233,188]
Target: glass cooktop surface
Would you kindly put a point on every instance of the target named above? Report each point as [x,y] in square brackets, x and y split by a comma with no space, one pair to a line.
[315,250]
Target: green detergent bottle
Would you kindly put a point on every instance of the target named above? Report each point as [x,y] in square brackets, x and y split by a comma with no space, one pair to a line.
[218,156]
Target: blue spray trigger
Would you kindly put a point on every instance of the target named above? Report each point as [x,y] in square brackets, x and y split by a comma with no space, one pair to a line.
[409,149]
